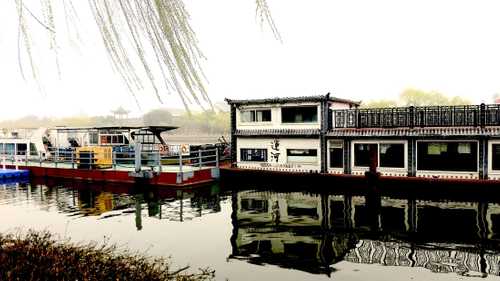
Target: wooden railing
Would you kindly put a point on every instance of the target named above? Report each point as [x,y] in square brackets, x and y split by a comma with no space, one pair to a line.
[418,116]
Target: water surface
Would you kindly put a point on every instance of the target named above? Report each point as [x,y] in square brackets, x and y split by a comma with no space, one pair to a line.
[262,234]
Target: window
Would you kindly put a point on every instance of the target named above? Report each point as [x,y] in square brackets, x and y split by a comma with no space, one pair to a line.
[386,155]
[495,156]
[336,154]
[9,148]
[22,148]
[299,114]
[263,115]
[363,153]
[447,156]
[93,138]
[117,139]
[33,150]
[392,155]
[255,155]
[104,139]
[302,155]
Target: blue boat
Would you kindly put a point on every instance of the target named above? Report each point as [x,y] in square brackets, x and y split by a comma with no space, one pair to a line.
[12,174]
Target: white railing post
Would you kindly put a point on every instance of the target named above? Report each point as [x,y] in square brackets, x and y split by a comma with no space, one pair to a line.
[72,151]
[57,156]
[180,166]
[26,158]
[40,158]
[159,161]
[113,158]
[199,159]
[137,157]
[217,158]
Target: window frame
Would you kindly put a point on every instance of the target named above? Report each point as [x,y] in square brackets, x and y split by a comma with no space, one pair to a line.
[342,148]
[490,156]
[379,143]
[447,141]
[302,162]
[405,152]
[254,119]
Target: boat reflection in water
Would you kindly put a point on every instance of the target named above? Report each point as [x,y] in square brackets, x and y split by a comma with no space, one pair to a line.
[104,201]
[306,231]
[311,232]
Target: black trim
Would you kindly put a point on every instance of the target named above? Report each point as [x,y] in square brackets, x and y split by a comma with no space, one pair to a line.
[279,100]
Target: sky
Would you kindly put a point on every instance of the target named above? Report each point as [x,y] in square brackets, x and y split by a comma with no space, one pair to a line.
[356,49]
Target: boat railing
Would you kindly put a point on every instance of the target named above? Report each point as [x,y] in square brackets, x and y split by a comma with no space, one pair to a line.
[154,159]
[418,116]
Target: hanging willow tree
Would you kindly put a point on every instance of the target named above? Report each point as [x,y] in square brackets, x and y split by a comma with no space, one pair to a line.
[148,41]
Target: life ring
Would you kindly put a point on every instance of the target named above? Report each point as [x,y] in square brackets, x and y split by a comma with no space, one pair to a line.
[184,149]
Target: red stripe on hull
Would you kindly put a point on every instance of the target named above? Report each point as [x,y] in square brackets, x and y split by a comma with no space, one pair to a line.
[165,178]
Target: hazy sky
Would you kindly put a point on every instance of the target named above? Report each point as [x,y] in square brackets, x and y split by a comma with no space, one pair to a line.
[353,49]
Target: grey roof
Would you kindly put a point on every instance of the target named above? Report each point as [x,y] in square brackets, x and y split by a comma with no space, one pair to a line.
[278,132]
[415,132]
[280,100]
[120,128]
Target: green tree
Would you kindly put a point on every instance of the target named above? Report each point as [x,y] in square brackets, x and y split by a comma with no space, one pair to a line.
[418,97]
[157,117]
[380,103]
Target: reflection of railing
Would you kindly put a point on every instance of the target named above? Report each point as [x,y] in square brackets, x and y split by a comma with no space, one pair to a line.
[418,116]
[442,260]
[110,159]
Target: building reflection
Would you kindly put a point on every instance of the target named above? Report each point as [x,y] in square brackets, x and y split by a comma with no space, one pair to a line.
[311,232]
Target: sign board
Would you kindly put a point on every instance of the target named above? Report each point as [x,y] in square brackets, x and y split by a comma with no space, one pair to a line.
[174,149]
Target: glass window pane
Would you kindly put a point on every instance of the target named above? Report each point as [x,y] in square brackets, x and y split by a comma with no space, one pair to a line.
[447,156]
[302,155]
[248,116]
[33,150]
[392,155]
[299,114]
[363,153]
[495,157]
[336,154]
[22,148]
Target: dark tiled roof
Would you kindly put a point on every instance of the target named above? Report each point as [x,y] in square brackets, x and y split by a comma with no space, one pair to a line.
[280,100]
[278,132]
[416,132]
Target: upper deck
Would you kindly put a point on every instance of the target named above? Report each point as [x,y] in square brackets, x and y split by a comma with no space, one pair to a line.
[418,117]
[285,114]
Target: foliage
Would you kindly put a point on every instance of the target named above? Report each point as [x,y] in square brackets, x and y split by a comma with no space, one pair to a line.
[418,97]
[380,103]
[39,256]
[148,42]
[189,123]
[158,117]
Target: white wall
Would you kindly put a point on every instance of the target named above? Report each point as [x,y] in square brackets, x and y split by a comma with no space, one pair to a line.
[282,164]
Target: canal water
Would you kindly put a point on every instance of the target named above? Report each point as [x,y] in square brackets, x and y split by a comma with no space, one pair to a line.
[264,234]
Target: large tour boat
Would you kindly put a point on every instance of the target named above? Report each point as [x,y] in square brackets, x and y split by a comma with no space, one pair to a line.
[325,134]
